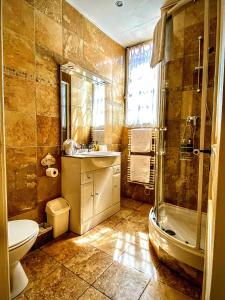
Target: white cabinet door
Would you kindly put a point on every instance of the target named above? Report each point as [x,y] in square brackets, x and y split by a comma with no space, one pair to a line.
[116,188]
[87,201]
[103,189]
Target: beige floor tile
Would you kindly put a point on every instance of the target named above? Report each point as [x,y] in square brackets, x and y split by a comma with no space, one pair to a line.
[113,243]
[38,264]
[138,217]
[174,280]
[133,228]
[124,212]
[145,209]
[89,264]
[65,248]
[160,291]
[93,294]
[112,221]
[140,258]
[130,203]
[93,234]
[121,282]
[59,285]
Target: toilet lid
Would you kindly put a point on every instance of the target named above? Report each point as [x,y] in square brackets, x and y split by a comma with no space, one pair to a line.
[21,230]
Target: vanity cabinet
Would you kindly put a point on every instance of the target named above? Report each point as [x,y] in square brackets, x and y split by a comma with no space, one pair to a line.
[92,187]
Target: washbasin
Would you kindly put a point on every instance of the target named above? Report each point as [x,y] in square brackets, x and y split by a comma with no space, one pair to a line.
[97,154]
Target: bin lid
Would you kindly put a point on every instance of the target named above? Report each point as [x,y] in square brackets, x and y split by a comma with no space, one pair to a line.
[57,206]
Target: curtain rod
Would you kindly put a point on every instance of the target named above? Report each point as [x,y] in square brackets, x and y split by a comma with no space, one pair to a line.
[178,6]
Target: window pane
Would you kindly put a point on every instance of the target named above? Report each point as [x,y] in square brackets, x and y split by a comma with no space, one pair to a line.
[142,92]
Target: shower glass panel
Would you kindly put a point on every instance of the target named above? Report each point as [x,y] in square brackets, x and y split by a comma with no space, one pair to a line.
[180,111]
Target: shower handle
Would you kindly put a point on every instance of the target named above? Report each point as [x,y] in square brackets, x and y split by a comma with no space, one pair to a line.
[197,151]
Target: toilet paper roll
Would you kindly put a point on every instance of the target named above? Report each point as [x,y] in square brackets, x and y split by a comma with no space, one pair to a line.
[52,172]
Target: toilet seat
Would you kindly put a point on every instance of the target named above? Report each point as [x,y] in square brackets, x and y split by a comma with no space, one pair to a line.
[21,231]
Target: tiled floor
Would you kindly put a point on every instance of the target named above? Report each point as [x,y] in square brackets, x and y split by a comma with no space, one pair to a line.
[112,261]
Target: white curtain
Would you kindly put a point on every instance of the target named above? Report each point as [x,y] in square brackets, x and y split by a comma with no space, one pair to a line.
[98,116]
[142,87]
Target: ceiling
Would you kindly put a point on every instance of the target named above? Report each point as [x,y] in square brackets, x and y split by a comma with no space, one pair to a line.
[128,25]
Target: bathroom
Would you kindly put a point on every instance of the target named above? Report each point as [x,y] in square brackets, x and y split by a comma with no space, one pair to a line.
[111,138]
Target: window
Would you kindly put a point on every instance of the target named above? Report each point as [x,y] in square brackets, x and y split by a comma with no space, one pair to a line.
[142,87]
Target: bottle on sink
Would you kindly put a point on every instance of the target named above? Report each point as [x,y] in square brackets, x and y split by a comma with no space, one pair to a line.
[96,146]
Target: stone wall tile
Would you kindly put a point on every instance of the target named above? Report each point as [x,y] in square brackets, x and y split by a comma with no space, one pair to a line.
[72,47]
[19,94]
[19,53]
[47,67]
[47,100]
[20,129]
[21,179]
[194,13]
[48,33]
[97,61]
[51,8]
[48,188]
[48,131]
[72,19]
[19,17]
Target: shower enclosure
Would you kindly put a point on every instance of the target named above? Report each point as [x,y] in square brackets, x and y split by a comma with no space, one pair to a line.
[178,220]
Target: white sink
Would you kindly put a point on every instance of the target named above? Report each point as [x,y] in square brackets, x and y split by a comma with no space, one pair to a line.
[97,154]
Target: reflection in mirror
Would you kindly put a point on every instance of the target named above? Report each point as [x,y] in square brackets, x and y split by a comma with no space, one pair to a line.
[83,96]
[64,118]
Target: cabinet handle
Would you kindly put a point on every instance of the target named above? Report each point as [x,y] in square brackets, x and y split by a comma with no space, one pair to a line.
[96,193]
[92,195]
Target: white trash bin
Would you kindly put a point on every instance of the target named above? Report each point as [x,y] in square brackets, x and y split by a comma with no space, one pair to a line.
[58,215]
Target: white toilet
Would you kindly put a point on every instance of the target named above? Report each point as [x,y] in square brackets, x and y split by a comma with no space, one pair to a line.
[22,235]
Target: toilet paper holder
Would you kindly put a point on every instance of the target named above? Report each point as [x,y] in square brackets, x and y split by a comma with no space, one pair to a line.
[48,160]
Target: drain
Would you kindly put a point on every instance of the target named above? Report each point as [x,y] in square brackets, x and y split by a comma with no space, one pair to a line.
[170,232]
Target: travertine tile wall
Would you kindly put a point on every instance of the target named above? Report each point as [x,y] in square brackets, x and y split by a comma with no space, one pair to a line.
[38,36]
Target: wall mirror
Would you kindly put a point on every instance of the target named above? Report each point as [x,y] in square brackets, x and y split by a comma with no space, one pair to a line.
[83,102]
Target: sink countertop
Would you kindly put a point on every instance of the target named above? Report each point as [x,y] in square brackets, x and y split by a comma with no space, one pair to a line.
[94,154]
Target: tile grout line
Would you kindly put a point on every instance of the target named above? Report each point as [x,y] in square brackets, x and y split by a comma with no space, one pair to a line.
[89,284]
[144,289]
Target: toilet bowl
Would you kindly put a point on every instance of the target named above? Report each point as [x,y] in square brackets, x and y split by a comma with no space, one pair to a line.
[21,235]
